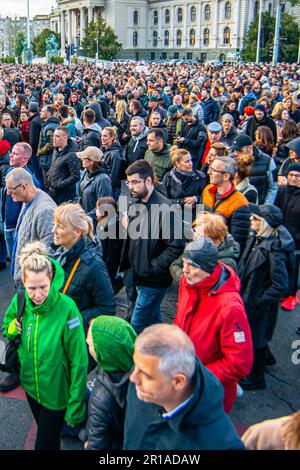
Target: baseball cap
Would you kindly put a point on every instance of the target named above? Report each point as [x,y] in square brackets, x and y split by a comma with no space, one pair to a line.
[241,141]
[214,127]
[92,153]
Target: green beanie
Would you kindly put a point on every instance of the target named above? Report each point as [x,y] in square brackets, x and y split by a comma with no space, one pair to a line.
[113,341]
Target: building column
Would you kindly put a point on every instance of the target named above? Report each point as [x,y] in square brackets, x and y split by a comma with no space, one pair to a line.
[185,32]
[160,39]
[237,22]
[172,32]
[63,32]
[69,27]
[82,24]
[199,30]
[73,25]
[216,23]
[90,14]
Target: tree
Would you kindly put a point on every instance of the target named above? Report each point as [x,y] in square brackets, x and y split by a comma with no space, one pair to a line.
[39,43]
[108,44]
[20,44]
[289,39]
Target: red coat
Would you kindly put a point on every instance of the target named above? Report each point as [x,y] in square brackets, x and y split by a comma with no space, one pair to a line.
[212,313]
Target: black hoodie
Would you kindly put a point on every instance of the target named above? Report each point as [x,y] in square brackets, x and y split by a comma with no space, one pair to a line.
[99,117]
[113,160]
[253,124]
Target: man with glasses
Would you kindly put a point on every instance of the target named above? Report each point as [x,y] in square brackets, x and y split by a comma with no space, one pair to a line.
[222,197]
[151,244]
[288,200]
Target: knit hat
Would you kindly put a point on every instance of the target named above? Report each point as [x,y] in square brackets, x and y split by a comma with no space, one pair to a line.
[202,253]
[249,110]
[272,214]
[113,341]
[260,107]
[294,167]
[4,147]
[153,98]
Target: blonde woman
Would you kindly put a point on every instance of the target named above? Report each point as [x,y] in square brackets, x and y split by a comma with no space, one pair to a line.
[90,286]
[122,119]
[52,352]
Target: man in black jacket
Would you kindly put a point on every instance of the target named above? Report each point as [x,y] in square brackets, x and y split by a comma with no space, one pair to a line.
[152,244]
[211,108]
[137,146]
[173,401]
[34,137]
[65,168]
[192,136]
[91,132]
[259,119]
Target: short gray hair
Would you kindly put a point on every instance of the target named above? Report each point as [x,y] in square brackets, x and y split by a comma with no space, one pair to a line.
[139,119]
[227,116]
[229,164]
[172,346]
[19,176]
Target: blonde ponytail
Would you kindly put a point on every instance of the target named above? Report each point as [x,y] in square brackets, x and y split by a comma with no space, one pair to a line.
[34,257]
[73,215]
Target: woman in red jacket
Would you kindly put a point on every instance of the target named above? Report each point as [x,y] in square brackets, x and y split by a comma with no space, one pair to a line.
[211,311]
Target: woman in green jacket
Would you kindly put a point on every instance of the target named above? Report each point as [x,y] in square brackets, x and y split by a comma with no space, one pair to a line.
[52,353]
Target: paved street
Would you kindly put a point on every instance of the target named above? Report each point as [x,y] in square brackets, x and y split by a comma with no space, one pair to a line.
[281,397]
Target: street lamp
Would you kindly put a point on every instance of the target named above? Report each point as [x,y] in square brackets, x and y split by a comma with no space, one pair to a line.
[277,31]
[97,42]
[259,31]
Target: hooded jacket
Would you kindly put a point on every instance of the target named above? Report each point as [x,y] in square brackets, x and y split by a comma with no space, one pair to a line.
[91,136]
[45,148]
[195,138]
[52,352]
[136,147]
[211,110]
[212,314]
[288,200]
[253,124]
[93,186]
[113,160]
[178,184]
[202,424]
[160,161]
[95,106]
[266,270]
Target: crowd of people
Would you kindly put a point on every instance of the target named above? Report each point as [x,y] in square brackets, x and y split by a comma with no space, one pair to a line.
[140,178]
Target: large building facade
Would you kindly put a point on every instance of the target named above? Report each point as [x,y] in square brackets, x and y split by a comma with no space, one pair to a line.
[163,29]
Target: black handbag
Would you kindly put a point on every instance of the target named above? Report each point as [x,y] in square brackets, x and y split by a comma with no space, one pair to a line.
[11,363]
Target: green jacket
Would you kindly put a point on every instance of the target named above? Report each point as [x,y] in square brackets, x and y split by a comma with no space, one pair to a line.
[52,353]
[161,162]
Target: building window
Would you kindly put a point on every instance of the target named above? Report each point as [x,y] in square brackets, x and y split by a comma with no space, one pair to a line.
[193,14]
[206,37]
[135,39]
[167,16]
[227,10]
[152,55]
[179,15]
[155,17]
[135,17]
[226,36]
[163,55]
[154,39]
[167,38]
[189,55]
[176,55]
[192,37]
[178,38]
[207,12]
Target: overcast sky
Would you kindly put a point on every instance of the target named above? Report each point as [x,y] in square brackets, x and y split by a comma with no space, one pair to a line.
[19,7]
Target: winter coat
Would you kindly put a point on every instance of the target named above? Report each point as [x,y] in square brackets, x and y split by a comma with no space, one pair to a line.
[111,235]
[247,100]
[93,186]
[113,160]
[36,224]
[4,167]
[23,128]
[12,135]
[90,287]
[69,123]
[248,190]
[233,206]
[91,136]
[264,270]
[195,138]
[211,110]
[228,253]
[202,424]
[283,151]
[284,169]
[177,184]
[197,110]
[136,148]
[150,257]
[229,138]
[95,106]
[253,124]
[45,148]
[107,411]
[34,131]
[64,173]
[212,314]
[288,200]
[52,352]
[160,161]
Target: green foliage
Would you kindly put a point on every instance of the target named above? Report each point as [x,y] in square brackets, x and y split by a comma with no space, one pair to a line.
[39,43]
[20,44]
[288,44]
[56,60]
[7,60]
[108,45]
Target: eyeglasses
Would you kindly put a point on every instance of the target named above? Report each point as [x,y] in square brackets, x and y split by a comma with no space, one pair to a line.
[212,170]
[294,175]
[133,182]
[253,217]
[11,190]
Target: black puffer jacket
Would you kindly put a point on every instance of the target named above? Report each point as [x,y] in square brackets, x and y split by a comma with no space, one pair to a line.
[93,186]
[34,131]
[107,411]
[90,287]
[266,271]
[113,160]
[136,148]
[229,138]
[4,166]
[253,124]
[150,257]
[91,137]
[195,138]
[288,200]
[177,184]
[64,173]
